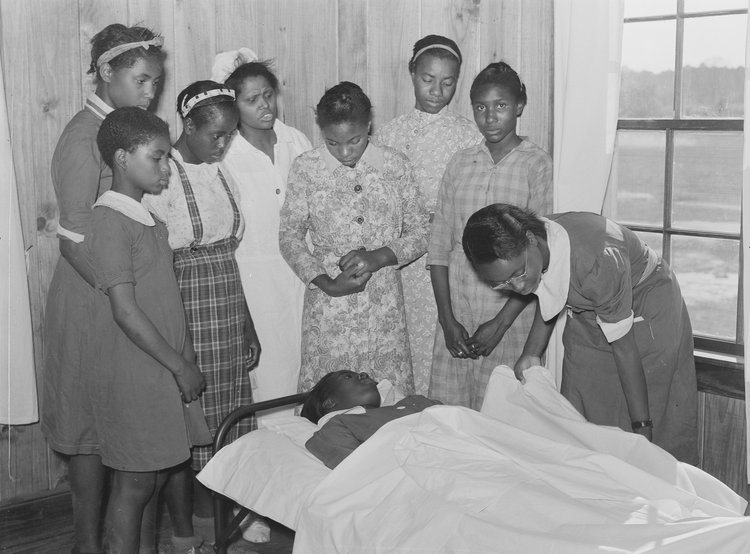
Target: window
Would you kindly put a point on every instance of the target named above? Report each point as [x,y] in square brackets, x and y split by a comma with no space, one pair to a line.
[677,178]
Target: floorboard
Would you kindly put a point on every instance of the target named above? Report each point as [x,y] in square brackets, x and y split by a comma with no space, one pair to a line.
[45,526]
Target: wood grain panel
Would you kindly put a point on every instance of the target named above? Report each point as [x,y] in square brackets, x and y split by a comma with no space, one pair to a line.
[159,16]
[723,441]
[237,22]
[301,37]
[353,30]
[460,21]
[394,28]
[501,25]
[195,28]
[95,15]
[535,68]
[40,103]
[520,33]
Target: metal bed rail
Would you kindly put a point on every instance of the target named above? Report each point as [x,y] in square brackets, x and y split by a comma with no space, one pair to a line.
[223,531]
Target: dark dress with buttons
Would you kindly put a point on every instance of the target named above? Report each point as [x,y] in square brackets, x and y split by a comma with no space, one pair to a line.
[374,204]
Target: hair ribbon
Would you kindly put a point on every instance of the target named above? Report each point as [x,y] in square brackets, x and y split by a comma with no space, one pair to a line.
[190,103]
[112,53]
[436,45]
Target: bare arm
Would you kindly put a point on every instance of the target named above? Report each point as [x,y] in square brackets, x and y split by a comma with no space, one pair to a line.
[75,254]
[344,284]
[139,328]
[367,261]
[489,334]
[536,344]
[455,333]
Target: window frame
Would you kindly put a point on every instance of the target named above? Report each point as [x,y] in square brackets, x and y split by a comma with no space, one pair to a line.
[669,126]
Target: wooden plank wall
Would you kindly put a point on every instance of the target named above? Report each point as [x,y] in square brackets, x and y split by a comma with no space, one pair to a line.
[314,44]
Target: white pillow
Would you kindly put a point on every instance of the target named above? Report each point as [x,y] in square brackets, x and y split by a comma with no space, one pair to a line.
[266,472]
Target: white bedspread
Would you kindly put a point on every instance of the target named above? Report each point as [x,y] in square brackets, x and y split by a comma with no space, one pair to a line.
[528,476]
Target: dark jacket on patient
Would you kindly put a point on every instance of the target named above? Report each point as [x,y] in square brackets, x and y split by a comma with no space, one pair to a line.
[342,434]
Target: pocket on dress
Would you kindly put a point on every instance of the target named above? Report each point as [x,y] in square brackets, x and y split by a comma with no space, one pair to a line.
[644,336]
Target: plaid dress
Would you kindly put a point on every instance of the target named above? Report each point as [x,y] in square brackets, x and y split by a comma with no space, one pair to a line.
[472,181]
[215,307]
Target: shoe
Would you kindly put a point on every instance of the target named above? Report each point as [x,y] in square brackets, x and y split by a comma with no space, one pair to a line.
[187,545]
[204,526]
[257,530]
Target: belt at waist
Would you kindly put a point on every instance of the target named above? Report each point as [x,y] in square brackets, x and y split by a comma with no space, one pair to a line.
[220,248]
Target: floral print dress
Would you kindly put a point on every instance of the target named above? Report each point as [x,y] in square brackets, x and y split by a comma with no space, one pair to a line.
[429,141]
[374,204]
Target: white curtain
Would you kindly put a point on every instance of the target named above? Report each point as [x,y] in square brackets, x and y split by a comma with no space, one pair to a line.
[588,46]
[18,400]
[746,241]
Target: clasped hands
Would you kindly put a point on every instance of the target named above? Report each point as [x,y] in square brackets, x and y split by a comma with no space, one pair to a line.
[357,266]
[487,336]
[484,340]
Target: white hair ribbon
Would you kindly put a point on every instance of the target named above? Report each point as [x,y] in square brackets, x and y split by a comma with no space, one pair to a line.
[190,103]
[436,45]
[112,53]
[226,62]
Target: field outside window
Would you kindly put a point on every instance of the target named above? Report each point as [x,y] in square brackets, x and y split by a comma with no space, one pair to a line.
[677,178]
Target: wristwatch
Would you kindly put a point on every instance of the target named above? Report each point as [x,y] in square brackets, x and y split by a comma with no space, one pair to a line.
[642,423]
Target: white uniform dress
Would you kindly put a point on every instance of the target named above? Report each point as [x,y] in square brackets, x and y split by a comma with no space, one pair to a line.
[274,293]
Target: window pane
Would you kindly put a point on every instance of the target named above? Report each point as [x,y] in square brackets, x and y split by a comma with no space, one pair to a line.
[707,191]
[707,270]
[654,240]
[647,77]
[639,178]
[643,8]
[714,66]
[692,6]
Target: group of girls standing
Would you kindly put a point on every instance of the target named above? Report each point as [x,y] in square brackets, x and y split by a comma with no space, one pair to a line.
[167,250]
[373,207]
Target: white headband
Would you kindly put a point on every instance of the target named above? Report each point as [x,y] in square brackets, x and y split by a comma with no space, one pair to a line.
[190,103]
[226,62]
[436,45]
[112,53]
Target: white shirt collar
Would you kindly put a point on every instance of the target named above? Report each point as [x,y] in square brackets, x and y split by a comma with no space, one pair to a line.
[372,156]
[553,288]
[126,206]
[98,106]
[428,116]
[330,415]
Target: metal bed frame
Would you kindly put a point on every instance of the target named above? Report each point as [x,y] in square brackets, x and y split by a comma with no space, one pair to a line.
[225,531]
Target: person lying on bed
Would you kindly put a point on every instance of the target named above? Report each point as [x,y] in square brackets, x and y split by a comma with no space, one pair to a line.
[346,407]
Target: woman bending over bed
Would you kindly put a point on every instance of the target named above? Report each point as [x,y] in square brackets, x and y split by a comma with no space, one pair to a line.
[346,407]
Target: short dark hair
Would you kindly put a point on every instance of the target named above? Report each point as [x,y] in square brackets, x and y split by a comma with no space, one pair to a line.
[117,34]
[128,128]
[437,41]
[345,102]
[498,232]
[501,74]
[315,405]
[252,69]
[207,109]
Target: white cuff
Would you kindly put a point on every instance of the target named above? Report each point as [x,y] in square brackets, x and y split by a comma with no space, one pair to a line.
[614,331]
[70,235]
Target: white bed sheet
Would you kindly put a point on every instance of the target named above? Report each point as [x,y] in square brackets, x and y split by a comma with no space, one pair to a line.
[534,476]
[268,470]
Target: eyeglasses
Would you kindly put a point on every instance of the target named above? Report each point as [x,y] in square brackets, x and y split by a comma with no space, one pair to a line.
[516,279]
